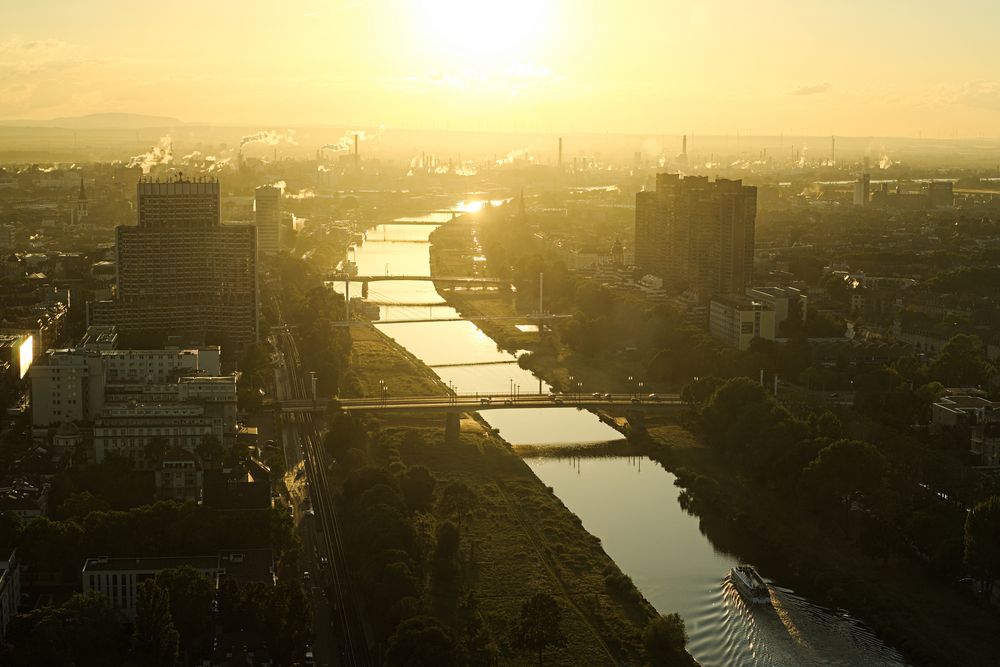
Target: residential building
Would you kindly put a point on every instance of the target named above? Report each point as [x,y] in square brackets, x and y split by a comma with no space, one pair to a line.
[74,384]
[23,498]
[129,431]
[697,234]
[181,271]
[245,485]
[737,320]
[179,476]
[784,300]
[267,219]
[940,194]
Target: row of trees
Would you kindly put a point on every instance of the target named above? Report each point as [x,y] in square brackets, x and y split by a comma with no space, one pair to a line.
[816,463]
[177,612]
[164,529]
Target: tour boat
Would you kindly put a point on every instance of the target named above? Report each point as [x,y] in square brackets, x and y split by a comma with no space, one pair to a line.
[750,584]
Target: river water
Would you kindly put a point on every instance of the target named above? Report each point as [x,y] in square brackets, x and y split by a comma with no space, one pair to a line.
[631,504]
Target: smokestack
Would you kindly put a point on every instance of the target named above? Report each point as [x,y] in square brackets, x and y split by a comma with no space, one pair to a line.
[833,149]
[560,152]
[356,156]
[684,145]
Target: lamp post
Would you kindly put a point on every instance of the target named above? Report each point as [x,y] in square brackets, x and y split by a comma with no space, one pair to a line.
[312,375]
[571,385]
[631,387]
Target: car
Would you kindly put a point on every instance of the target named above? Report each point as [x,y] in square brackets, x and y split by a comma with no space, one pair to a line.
[305,575]
[654,397]
[485,401]
[323,560]
[596,394]
[508,401]
[557,401]
[310,512]
[607,397]
[636,399]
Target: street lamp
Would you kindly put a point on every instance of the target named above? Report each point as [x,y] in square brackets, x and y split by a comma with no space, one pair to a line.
[571,385]
[630,386]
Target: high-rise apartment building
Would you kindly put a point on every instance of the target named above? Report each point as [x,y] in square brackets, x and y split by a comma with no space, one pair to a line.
[181,271]
[697,234]
[267,219]
[863,190]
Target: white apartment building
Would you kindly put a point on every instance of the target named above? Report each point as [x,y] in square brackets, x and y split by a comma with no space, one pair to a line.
[72,385]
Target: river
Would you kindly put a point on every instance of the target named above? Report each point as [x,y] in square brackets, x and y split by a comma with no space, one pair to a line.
[631,504]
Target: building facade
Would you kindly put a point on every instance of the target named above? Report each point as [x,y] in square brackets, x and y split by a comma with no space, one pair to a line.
[181,271]
[697,234]
[267,219]
[738,320]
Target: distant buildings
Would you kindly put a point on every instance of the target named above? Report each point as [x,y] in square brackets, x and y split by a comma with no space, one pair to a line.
[181,271]
[697,234]
[863,190]
[738,320]
[267,219]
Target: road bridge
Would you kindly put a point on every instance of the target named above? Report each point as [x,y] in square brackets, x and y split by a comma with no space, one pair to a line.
[451,280]
[479,402]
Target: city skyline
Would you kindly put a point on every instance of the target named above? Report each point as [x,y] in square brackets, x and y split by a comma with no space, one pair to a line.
[645,67]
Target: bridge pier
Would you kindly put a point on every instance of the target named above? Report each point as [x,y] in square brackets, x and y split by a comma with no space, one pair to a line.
[636,424]
[452,427]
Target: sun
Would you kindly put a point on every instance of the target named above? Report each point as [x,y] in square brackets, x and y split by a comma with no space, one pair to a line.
[480,30]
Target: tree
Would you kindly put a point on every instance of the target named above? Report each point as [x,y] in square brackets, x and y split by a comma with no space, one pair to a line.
[417,485]
[457,500]
[191,596]
[664,639]
[86,631]
[982,543]
[81,504]
[446,562]
[346,432]
[540,625]
[156,447]
[420,641]
[962,362]
[843,470]
[155,641]
[210,450]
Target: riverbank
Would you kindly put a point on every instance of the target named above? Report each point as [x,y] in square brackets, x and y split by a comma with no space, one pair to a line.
[520,539]
[927,620]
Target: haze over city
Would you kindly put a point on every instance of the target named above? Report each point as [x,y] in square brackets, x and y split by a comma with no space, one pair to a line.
[641,66]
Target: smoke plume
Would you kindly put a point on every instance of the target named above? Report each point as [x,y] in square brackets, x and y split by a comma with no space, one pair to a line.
[269,138]
[161,153]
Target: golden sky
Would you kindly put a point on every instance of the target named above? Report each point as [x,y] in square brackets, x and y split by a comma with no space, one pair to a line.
[847,67]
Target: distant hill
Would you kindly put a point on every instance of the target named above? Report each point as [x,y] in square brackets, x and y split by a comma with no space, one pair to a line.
[123,121]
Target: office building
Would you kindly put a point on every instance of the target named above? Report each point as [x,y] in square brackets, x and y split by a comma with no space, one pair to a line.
[181,271]
[697,234]
[267,219]
[737,320]
[118,579]
[73,385]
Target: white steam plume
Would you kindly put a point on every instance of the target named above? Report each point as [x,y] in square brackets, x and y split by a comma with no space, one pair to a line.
[346,142]
[161,153]
[269,138]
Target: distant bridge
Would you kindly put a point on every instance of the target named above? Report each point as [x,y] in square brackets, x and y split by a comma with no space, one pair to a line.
[452,280]
[527,319]
[479,402]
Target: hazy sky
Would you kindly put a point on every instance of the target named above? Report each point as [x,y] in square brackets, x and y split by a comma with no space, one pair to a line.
[849,67]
